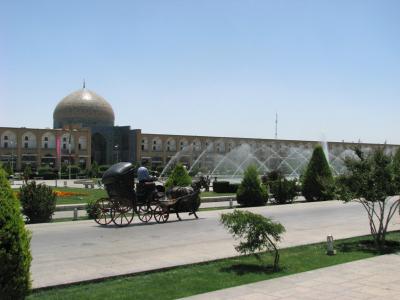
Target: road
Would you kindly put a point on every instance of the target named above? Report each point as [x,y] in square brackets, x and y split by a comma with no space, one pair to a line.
[78,251]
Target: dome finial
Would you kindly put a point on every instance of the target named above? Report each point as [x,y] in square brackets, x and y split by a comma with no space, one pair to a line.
[84,83]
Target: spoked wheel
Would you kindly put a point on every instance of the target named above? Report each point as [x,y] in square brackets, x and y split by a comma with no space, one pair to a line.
[161,214]
[122,215]
[103,211]
[144,212]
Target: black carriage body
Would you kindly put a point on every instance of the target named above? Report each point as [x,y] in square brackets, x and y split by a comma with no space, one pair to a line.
[119,181]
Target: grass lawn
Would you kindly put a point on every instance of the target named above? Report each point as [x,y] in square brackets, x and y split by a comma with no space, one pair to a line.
[94,194]
[90,194]
[200,278]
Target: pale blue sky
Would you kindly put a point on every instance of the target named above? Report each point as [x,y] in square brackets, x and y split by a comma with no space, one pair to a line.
[220,67]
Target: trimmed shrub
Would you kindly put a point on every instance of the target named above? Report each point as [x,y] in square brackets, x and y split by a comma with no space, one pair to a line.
[47,173]
[318,183]
[221,186]
[251,192]
[38,202]
[282,190]
[224,187]
[178,177]
[15,256]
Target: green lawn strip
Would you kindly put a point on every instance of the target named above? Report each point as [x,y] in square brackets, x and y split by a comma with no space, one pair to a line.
[205,277]
[94,194]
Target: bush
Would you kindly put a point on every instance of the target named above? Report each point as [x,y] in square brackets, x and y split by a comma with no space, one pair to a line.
[318,182]
[224,187]
[91,209]
[282,190]
[178,177]
[251,192]
[15,257]
[47,173]
[38,202]
[258,233]
[74,169]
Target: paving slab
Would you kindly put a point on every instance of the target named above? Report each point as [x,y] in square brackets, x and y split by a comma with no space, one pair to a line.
[379,279]
[70,252]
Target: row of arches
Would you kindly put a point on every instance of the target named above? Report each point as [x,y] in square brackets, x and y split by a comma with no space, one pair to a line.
[172,145]
[47,140]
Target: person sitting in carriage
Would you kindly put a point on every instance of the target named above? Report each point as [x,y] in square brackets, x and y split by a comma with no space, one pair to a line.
[146,185]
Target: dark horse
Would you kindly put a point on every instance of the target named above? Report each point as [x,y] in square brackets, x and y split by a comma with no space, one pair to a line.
[187,199]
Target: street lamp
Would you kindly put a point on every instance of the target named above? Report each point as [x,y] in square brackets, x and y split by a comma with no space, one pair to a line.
[12,156]
[116,149]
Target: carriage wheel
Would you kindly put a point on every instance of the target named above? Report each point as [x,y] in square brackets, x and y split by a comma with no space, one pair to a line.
[161,214]
[102,211]
[144,212]
[122,215]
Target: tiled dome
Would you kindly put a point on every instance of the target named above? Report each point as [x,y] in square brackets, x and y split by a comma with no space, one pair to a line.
[83,107]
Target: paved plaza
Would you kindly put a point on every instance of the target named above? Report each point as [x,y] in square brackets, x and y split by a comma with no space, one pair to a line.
[372,278]
[84,250]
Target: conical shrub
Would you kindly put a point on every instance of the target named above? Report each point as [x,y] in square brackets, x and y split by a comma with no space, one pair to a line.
[179,177]
[251,192]
[318,182]
[15,257]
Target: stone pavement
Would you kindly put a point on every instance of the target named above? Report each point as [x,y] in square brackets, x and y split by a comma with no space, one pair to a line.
[83,250]
[373,278]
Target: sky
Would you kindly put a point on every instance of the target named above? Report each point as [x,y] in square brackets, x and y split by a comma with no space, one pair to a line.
[329,69]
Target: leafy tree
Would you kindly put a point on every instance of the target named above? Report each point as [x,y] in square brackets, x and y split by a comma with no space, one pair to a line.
[178,177]
[94,170]
[15,256]
[396,166]
[38,202]
[371,181]
[318,182]
[258,233]
[251,192]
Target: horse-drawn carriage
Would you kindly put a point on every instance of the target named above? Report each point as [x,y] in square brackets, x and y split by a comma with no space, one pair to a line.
[148,200]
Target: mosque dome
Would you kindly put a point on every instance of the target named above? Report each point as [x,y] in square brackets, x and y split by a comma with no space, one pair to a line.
[85,108]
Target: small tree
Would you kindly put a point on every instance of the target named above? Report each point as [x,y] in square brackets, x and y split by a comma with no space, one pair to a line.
[15,256]
[38,202]
[251,192]
[94,170]
[318,182]
[178,177]
[371,181]
[27,173]
[258,233]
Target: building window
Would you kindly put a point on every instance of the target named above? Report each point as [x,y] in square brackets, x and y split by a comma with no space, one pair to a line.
[154,142]
[5,144]
[6,137]
[79,146]
[154,148]
[143,147]
[46,139]
[168,149]
[64,139]
[26,138]
[46,146]
[25,145]
[168,142]
[64,146]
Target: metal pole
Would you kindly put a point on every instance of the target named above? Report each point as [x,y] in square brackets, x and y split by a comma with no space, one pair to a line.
[12,157]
